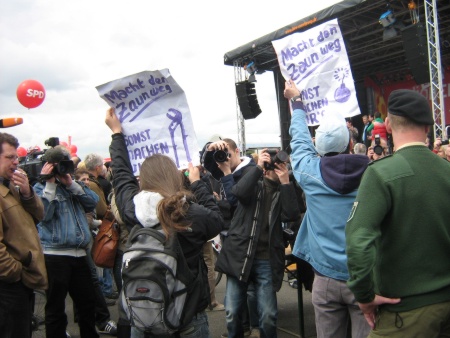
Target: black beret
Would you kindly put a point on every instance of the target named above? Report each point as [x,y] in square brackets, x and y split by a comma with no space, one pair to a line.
[410,104]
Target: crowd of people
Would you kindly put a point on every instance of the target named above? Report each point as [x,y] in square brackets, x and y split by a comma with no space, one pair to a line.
[370,208]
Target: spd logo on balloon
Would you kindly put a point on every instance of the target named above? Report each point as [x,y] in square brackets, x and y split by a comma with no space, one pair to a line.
[30,93]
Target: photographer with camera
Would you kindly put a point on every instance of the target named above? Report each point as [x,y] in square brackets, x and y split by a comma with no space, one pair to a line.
[330,182]
[440,146]
[65,235]
[222,159]
[254,247]
[379,148]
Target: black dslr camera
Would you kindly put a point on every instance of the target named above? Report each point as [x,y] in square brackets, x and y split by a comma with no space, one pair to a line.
[276,157]
[378,149]
[221,155]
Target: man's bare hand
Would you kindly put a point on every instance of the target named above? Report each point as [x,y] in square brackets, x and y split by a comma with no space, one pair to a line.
[370,309]
[112,121]
[290,90]
[219,145]
[20,180]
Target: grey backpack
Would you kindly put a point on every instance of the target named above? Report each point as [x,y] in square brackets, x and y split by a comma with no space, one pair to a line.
[157,283]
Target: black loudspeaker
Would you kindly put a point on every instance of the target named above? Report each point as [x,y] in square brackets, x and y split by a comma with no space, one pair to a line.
[248,103]
[416,51]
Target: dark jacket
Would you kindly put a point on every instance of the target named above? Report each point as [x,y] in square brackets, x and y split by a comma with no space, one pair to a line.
[205,216]
[242,237]
[223,185]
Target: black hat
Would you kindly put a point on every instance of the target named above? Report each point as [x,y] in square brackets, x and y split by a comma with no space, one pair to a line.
[410,104]
[56,155]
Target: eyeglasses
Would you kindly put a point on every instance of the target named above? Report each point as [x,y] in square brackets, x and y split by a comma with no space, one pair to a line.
[12,158]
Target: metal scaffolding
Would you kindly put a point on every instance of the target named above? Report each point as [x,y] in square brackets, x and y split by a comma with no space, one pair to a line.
[434,56]
[238,77]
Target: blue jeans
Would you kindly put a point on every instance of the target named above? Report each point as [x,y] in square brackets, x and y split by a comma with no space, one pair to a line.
[266,299]
[15,310]
[106,281]
[197,328]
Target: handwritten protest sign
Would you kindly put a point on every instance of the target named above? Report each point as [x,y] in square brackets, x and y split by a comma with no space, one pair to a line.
[316,60]
[155,117]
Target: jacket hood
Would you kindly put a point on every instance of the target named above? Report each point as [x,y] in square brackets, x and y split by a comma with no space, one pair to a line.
[343,172]
[245,160]
[146,203]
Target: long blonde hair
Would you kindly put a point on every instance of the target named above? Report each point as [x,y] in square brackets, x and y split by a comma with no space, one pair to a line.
[159,174]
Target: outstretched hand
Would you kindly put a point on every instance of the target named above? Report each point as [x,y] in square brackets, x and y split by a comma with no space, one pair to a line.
[290,90]
[370,309]
[112,121]
[194,173]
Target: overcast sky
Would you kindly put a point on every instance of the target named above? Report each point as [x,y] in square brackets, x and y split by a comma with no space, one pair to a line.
[72,47]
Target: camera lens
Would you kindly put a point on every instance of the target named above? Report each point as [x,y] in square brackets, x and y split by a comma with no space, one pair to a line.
[378,150]
[281,157]
[220,156]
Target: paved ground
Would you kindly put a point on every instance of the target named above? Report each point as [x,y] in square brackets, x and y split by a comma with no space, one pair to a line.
[288,319]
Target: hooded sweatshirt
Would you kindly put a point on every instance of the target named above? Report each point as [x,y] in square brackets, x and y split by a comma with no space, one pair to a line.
[330,186]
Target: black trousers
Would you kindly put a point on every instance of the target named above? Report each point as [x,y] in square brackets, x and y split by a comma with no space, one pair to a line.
[16,307]
[67,274]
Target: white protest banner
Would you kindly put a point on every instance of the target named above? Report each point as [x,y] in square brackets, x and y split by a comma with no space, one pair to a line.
[155,117]
[316,60]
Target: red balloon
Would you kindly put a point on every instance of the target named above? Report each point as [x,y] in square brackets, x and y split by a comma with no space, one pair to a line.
[30,93]
[73,148]
[21,152]
[64,144]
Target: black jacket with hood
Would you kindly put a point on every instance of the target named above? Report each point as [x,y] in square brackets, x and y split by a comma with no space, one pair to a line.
[239,246]
[207,221]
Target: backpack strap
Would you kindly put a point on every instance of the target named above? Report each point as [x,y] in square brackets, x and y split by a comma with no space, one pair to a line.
[139,230]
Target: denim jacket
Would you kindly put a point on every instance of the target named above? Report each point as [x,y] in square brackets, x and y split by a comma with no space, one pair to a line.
[65,225]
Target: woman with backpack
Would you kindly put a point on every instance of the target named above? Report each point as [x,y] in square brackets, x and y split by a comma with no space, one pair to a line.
[160,201]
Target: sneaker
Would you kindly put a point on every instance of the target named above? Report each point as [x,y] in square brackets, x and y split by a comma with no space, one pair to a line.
[293,283]
[216,307]
[110,328]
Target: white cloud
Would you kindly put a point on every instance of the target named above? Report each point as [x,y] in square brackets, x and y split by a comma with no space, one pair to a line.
[72,47]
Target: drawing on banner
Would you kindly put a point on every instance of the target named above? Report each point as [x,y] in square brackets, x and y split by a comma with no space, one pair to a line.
[316,60]
[155,117]
[177,120]
[342,93]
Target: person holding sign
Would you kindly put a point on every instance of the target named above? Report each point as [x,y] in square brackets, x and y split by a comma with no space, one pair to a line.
[330,182]
[160,199]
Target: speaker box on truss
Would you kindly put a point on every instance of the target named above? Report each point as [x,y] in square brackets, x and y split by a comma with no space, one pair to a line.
[248,103]
[416,51]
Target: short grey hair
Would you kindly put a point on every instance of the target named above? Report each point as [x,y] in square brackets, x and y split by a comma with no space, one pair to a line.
[93,160]
[360,148]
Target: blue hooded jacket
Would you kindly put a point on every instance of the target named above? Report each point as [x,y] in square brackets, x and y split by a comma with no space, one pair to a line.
[330,186]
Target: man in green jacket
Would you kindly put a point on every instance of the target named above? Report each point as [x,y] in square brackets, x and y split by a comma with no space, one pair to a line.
[398,232]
